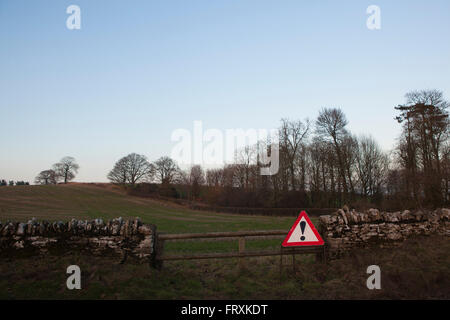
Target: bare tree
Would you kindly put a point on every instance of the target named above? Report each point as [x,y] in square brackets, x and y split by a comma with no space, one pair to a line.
[131,169]
[330,125]
[292,137]
[214,177]
[46,177]
[195,179]
[166,170]
[66,168]
[372,166]
[246,170]
[197,175]
[119,174]
[349,152]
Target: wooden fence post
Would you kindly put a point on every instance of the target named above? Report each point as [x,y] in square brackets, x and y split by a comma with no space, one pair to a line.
[281,260]
[322,255]
[159,250]
[241,250]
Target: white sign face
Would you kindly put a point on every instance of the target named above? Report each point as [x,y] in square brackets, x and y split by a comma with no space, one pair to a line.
[303,233]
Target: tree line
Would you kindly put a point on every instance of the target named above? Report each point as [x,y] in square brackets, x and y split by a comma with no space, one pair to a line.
[12,183]
[62,171]
[321,164]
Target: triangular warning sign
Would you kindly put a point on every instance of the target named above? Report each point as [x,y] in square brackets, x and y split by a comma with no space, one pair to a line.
[303,233]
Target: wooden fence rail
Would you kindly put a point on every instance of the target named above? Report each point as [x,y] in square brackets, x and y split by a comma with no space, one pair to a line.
[241,236]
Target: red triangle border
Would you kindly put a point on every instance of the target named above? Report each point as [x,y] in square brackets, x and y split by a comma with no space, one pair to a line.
[320,241]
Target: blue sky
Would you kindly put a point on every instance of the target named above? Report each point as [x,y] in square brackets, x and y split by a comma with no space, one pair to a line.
[137,70]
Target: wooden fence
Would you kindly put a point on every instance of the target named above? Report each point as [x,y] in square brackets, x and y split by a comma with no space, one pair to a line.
[241,236]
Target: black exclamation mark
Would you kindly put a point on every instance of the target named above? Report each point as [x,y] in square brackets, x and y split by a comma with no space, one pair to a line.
[302,226]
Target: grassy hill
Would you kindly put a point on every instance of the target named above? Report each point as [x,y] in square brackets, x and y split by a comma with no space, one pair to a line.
[88,201]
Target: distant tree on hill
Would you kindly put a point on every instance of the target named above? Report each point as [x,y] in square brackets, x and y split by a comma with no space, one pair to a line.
[119,174]
[66,169]
[166,170]
[131,169]
[194,179]
[22,183]
[3,183]
[46,177]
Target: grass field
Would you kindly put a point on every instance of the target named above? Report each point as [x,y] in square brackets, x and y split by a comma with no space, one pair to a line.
[86,201]
[89,201]
[418,269]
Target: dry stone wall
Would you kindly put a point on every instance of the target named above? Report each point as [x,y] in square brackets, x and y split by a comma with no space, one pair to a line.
[347,229]
[117,237]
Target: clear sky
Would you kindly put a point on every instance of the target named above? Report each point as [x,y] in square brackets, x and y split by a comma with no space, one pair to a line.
[137,70]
